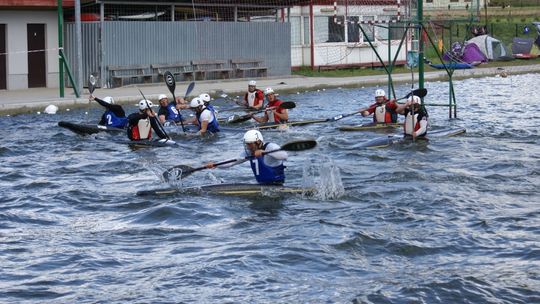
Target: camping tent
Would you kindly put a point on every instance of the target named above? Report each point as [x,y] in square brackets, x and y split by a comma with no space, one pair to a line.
[522,45]
[493,48]
[472,53]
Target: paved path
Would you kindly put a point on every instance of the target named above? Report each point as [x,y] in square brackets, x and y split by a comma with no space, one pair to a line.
[32,100]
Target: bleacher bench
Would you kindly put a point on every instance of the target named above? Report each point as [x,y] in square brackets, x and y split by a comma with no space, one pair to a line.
[241,66]
[184,69]
[119,73]
[203,68]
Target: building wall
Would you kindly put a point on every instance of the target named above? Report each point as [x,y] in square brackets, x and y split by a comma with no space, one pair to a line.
[157,42]
[17,58]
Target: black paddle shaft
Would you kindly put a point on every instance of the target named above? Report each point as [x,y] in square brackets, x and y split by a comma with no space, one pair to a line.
[171,84]
[299,145]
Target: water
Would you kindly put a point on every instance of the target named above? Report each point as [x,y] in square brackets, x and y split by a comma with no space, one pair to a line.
[452,221]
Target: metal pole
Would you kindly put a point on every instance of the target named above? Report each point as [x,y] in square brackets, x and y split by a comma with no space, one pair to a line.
[172,12]
[102,78]
[78,35]
[60,46]
[311,27]
[421,45]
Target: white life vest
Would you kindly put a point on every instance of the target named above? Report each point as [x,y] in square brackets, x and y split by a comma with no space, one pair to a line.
[144,128]
[410,123]
[380,113]
[251,98]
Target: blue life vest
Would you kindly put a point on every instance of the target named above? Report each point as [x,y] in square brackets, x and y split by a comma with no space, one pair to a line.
[111,120]
[172,113]
[213,126]
[265,174]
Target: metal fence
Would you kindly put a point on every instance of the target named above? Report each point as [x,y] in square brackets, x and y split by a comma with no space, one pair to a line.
[137,43]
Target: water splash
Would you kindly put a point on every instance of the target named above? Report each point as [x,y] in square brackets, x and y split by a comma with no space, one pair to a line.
[325,177]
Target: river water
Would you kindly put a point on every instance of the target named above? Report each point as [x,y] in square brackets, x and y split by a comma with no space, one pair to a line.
[455,220]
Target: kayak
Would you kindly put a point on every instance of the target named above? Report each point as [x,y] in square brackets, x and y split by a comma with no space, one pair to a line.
[149,143]
[237,189]
[370,126]
[383,142]
[289,124]
[87,129]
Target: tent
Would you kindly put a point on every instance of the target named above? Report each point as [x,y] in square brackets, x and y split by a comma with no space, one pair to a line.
[493,48]
[471,53]
[522,45]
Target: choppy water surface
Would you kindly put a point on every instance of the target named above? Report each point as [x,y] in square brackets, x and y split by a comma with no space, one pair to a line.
[452,221]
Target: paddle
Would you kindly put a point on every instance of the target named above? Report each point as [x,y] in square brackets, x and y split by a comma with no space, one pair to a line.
[159,123]
[171,84]
[91,84]
[227,97]
[242,118]
[418,92]
[184,170]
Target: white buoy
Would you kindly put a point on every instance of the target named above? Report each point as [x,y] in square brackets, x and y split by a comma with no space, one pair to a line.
[85,113]
[38,112]
[51,109]
[67,110]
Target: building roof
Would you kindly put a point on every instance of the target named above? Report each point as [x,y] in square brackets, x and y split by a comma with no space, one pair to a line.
[35,4]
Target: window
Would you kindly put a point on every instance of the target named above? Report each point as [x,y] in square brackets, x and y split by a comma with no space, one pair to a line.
[369,29]
[307,31]
[326,30]
[296,39]
[353,31]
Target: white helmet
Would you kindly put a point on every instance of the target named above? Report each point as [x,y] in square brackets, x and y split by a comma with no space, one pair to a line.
[252,83]
[144,104]
[161,96]
[196,102]
[380,93]
[205,98]
[108,100]
[268,91]
[51,109]
[414,99]
[252,136]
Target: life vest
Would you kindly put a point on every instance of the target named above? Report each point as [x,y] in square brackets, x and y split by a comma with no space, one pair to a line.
[111,120]
[172,113]
[385,113]
[213,126]
[143,130]
[408,127]
[273,118]
[265,174]
[254,98]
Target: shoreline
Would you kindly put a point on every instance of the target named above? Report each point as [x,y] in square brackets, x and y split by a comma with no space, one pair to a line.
[34,100]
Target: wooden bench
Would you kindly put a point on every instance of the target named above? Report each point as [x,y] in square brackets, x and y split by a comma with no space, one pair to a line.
[130,72]
[241,66]
[180,68]
[203,68]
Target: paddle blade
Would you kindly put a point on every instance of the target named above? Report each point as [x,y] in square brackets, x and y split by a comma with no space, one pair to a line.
[237,118]
[91,84]
[190,88]
[177,172]
[299,145]
[418,92]
[287,105]
[170,81]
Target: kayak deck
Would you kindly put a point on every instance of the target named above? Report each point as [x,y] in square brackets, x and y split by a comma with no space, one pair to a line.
[383,142]
[88,129]
[370,126]
[237,189]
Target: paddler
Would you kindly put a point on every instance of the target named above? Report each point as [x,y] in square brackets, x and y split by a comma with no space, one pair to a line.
[205,119]
[254,98]
[205,97]
[416,118]
[114,115]
[383,110]
[268,168]
[140,124]
[274,113]
[169,112]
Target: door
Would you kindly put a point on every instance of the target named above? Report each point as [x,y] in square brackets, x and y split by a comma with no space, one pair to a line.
[37,75]
[3,70]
